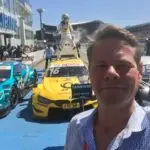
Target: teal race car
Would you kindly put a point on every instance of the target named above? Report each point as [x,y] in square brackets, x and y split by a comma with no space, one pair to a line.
[14,78]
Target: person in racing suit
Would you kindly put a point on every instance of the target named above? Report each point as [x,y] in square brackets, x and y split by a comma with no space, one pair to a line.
[66,30]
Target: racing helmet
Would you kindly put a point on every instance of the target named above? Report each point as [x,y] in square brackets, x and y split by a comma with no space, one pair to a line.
[65,16]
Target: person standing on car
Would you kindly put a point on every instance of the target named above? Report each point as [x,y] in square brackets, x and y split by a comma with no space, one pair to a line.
[49,51]
[118,122]
[66,31]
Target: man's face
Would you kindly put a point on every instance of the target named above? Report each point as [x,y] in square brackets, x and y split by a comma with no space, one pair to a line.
[114,73]
[65,19]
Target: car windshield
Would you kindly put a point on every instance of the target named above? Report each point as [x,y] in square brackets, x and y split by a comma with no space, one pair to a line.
[4,74]
[67,71]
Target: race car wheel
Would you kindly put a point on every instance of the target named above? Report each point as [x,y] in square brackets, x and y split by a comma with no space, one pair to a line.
[5,113]
[14,96]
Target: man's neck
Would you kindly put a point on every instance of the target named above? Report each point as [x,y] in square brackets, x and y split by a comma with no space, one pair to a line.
[114,117]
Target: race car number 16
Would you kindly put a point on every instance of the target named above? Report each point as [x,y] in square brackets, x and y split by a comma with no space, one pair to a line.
[54,70]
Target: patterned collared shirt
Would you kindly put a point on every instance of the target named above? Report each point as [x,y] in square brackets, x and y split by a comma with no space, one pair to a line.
[135,136]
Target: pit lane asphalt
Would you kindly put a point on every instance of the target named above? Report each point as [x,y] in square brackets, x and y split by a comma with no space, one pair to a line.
[19,132]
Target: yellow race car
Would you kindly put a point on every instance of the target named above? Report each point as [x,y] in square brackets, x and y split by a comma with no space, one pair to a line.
[54,92]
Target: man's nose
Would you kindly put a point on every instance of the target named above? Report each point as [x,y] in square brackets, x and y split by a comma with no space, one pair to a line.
[111,73]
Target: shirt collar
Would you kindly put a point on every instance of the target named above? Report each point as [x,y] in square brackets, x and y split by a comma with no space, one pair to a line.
[138,122]
[135,123]
[136,119]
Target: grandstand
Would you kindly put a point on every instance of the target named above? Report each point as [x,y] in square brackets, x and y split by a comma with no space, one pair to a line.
[90,27]
[86,29]
[142,31]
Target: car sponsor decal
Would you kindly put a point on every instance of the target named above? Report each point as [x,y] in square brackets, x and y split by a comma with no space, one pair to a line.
[27,74]
[66,65]
[54,70]
[21,83]
[66,85]
[15,63]
[5,67]
[71,106]
[81,90]
[2,79]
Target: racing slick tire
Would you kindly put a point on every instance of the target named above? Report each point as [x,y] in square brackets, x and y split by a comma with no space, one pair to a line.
[5,112]
[14,97]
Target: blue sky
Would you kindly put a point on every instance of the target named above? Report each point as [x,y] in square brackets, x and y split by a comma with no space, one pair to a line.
[119,12]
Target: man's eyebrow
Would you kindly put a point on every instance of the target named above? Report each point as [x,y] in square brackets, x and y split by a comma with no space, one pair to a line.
[116,61]
[122,60]
[126,62]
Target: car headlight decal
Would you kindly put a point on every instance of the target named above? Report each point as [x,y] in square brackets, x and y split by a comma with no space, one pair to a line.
[43,100]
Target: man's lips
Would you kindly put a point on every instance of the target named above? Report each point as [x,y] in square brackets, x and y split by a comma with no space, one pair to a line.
[112,87]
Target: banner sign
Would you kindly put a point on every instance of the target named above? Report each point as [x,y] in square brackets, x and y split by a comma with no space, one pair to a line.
[8,22]
[83,91]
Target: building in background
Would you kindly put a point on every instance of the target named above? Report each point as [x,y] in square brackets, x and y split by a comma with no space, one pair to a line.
[16,22]
[142,32]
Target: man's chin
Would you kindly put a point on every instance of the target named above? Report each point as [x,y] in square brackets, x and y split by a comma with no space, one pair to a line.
[113,102]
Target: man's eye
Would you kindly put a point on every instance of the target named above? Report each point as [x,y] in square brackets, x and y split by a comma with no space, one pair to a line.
[101,66]
[122,67]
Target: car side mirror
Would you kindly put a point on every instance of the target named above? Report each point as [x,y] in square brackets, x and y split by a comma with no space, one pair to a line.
[143,93]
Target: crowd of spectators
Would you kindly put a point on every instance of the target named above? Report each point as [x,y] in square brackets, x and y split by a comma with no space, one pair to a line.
[9,51]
